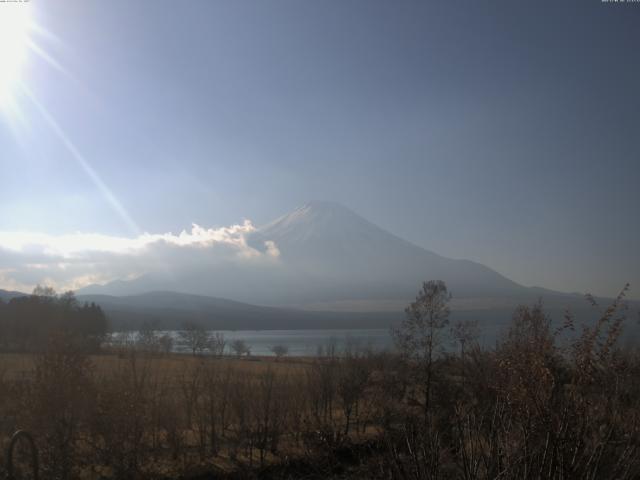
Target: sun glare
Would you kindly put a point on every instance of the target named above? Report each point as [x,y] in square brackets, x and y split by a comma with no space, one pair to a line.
[15,24]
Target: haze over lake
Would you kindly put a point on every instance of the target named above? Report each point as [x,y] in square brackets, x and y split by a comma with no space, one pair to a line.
[300,343]
[309,343]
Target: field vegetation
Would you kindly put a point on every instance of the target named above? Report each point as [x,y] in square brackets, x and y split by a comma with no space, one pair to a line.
[547,401]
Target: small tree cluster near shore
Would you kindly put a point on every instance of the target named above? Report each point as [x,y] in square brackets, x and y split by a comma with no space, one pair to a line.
[27,322]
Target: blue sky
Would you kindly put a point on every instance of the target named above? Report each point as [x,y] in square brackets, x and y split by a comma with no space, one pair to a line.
[504,132]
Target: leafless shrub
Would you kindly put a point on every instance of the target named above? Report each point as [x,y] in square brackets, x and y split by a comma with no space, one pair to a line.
[280,351]
[148,339]
[353,379]
[195,337]
[127,400]
[217,344]
[240,348]
[165,343]
[58,405]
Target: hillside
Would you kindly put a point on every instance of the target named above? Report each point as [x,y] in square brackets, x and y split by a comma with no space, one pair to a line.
[169,310]
[327,253]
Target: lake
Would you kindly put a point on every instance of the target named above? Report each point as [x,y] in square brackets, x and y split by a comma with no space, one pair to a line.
[308,342]
[299,342]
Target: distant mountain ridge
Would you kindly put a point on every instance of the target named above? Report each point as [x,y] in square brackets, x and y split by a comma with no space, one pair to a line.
[171,310]
[6,295]
[328,253]
[334,270]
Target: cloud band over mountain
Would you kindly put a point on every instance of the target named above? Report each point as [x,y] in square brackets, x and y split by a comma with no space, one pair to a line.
[321,253]
[72,261]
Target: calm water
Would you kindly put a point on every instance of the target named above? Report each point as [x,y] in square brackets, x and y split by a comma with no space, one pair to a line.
[300,342]
[308,342]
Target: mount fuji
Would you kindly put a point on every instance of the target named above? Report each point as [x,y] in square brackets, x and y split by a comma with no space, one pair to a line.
[331,244]
[332,258]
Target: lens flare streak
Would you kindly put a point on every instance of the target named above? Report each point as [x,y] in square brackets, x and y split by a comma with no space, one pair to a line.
[84,164]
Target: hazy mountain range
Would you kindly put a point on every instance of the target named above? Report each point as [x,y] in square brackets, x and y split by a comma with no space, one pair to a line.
[333,268]
[328,255]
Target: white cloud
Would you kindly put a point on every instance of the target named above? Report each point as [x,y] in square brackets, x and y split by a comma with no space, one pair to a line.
[73,261]
[272,248]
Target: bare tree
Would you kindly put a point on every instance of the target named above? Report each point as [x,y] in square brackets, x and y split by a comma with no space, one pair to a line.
[44,291]
[122,342]
[420,333]
[166,343]
[217,344]
[280,351]
[60,401]
[353,376]
[464,333]
[148,338]
[240,348]
[195,337]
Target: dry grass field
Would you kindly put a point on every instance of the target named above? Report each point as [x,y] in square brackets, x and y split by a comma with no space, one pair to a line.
[21,365]
[129,414]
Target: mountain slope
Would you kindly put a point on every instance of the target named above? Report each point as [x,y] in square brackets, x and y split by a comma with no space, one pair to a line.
[327,254]
[327,239]
[170,310]
[6,295]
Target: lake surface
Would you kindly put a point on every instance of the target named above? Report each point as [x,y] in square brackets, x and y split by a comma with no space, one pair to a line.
[299,342]
[490,328]
[309,342]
